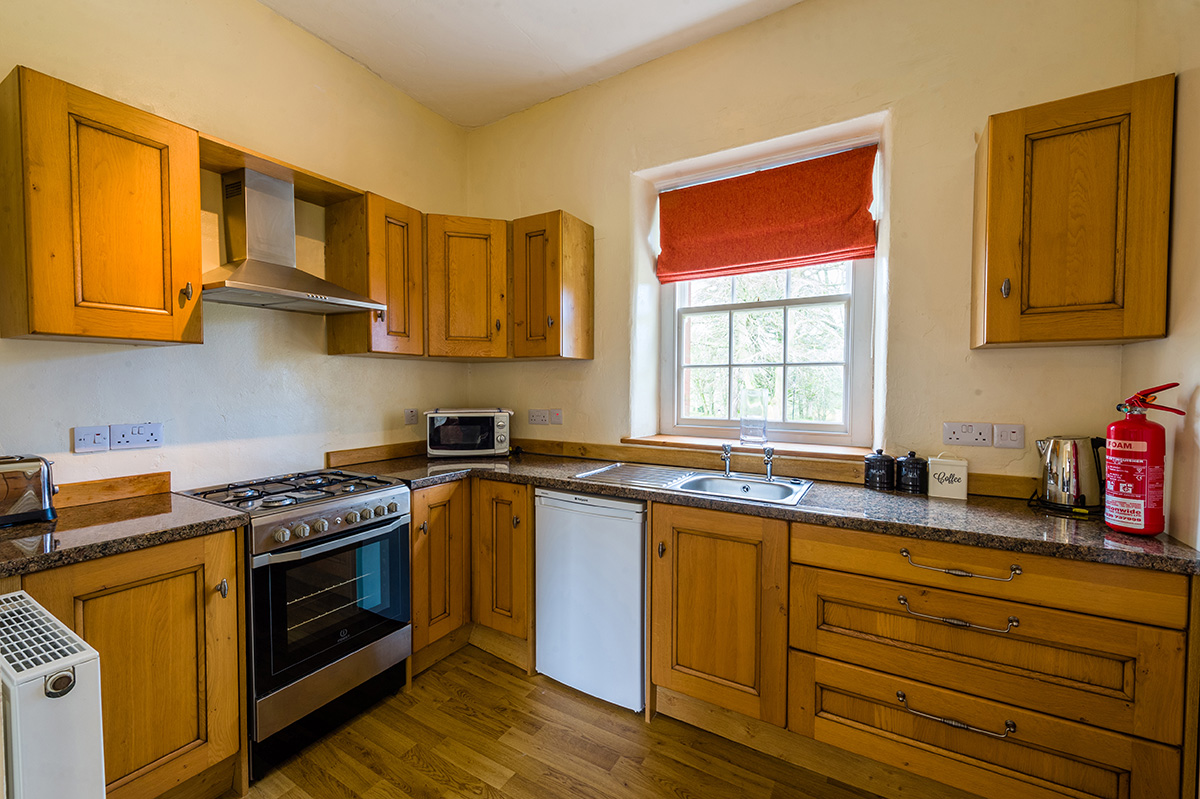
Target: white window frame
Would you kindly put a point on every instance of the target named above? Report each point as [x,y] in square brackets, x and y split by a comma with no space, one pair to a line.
[857,412]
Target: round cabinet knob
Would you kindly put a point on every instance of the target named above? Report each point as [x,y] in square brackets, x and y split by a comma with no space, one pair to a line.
[281,534]
[302,530]
[392,507]
[351,517]
[367,513]
[321,525]
[380,511]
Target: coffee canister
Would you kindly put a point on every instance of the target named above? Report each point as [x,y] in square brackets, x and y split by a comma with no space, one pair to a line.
[880,472]
[948,477]
[912,474]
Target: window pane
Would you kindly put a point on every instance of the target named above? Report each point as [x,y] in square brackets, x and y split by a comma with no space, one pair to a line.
[709,291]
[759,286]
[816,333]
[814,393]
[768,378]
[758,336]
[705,393]
[705,338]
[820,280]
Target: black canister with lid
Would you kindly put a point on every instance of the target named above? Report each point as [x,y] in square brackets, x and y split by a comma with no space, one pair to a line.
[912,474]
[880,473]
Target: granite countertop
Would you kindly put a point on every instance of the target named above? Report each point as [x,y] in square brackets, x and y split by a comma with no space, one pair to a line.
[87,532]
[1007,524]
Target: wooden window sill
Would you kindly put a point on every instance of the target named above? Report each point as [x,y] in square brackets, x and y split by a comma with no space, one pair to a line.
[817,451]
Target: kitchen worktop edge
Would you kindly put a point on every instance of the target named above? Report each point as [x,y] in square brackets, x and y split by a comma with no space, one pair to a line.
[989,522]
[88,532]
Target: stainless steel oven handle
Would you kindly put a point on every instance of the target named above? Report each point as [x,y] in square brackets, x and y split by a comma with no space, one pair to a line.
[337,543]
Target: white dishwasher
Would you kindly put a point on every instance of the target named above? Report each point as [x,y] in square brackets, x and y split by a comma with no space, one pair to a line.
[591,594]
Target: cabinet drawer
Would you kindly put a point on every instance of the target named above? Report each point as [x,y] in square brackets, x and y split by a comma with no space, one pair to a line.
[1100,589]
[980,746]
[1126,677]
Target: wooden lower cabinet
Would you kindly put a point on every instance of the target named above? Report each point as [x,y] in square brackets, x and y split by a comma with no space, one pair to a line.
[441,576]
[719,609]
[168,643]
[501,563]
[985,747]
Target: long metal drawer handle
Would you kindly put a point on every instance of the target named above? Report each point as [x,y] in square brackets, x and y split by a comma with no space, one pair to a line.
[1013,570]
[1013,621]
[1010,726]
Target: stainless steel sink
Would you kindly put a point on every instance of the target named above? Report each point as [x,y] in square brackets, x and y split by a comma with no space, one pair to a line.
[782,491]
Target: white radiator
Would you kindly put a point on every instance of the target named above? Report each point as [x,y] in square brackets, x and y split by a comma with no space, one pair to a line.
[51,680]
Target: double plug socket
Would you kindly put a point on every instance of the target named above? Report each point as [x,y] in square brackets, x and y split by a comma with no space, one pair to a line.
[983,434]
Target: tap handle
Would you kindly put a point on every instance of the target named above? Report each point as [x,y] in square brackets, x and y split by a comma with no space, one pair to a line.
[726,450]
[768,453]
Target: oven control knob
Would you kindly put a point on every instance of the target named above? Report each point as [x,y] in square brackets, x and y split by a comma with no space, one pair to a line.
[367,513]
[380,511]
[281,534]
[352,517]
[500,439]
[302,530]
[321,525]
[392,507]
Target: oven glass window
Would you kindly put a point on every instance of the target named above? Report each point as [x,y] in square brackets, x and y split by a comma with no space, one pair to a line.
[326,606]
[462,432]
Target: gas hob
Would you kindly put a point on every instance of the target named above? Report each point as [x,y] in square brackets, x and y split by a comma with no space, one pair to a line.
[287,508]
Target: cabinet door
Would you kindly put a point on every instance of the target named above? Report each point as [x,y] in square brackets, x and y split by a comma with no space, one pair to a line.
[467,262]
[109,247]
[440,568]
[552,286]
[1071,219]
[373,246]
[168,644]
[500,562]
[719,594]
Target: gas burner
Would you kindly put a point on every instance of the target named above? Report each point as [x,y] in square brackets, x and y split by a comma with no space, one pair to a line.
[245,493]
[277,502]
[248,504]
[309,493]
[347,488]
[315,481]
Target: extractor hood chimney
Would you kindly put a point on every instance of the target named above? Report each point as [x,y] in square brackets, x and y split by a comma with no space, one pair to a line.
[260,245]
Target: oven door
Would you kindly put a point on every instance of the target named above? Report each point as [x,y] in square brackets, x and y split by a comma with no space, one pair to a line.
[464,434]
[315,604]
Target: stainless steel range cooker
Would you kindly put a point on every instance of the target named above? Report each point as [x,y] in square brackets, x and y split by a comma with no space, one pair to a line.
[328,589]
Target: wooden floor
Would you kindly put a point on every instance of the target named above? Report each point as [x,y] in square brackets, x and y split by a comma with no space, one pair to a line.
[474,726]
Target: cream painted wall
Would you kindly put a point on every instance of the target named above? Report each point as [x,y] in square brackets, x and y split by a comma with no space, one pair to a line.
[260,395]
[1168,40]
[940,67]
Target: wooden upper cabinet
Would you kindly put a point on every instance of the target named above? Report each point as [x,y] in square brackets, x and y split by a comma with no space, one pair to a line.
[441,577]
[373,246]
[1072,211]
[99,217]
[719,609]
[501,557]
[168,643]
[467,268]
[553,256]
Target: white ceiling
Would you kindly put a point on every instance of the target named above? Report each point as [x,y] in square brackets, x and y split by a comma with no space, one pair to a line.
[475,61]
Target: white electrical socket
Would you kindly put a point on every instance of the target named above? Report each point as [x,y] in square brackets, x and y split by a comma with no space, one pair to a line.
[90,439]
[1009,436]
[135,436]
[967,434]
[539,416]
[410,415]
[556,416]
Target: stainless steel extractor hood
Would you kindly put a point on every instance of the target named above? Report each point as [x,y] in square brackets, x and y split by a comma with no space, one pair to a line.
[260,245]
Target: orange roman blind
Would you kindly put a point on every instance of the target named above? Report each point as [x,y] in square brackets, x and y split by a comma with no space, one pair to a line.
[811,212]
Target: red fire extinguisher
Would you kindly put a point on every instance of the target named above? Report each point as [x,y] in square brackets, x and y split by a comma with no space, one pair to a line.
[1133,466]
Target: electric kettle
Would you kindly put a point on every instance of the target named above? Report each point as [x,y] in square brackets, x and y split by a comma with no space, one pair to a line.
[1071,472]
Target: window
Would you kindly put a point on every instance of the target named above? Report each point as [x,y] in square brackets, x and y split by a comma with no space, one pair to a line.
[803,335]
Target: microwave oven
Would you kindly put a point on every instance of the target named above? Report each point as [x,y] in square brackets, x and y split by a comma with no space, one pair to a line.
[467,432]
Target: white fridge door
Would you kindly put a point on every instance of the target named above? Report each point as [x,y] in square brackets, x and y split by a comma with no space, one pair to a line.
[590,600]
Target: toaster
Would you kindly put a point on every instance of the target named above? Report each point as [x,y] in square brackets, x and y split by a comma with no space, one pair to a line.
[26,490]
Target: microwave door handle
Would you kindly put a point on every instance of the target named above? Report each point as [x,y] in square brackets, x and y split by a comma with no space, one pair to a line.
[308,552]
